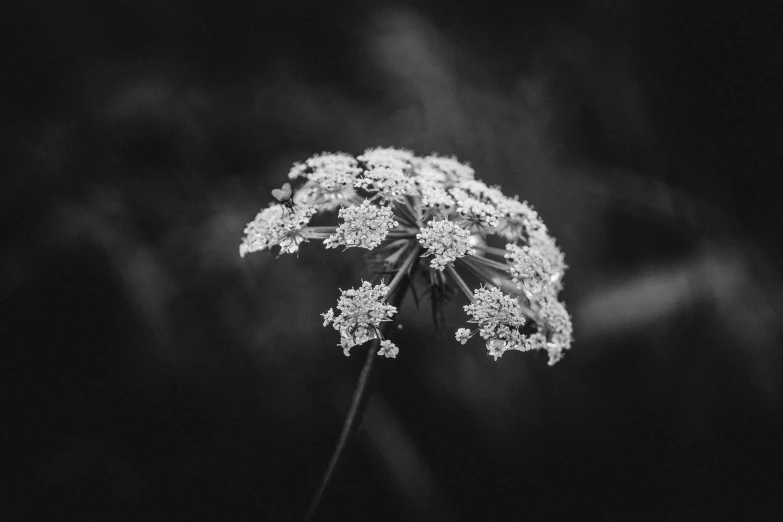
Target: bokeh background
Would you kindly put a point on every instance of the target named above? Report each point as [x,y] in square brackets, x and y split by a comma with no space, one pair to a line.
[152,374]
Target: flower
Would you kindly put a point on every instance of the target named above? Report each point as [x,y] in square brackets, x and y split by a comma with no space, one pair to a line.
[433,195]
[454,170]
[364,226]
[402,207]
[388,182]
[481,215]
[559,327]
[446,241]
[499,318]
[361,312]
[277,225]
[388,349]
[531,269]
[398,160]
[462,335]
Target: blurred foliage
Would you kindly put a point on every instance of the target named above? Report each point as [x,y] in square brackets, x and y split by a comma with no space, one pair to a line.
[154,374]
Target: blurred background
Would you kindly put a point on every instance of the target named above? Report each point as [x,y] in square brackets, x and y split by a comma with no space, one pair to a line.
[153,374]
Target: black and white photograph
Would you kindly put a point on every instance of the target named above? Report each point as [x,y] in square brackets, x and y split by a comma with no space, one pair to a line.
[389,260]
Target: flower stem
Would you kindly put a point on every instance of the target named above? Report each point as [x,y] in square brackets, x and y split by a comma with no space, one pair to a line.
[354,412]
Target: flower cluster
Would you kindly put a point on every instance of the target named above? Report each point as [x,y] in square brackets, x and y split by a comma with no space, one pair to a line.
[499,318]
[363,226]
[531,269]
[361,312]
[401,207]
[446,241]
[277,226]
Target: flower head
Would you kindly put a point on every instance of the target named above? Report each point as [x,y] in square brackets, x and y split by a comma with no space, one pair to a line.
[403,207]
[277,225]
[433,195]
[462,335]
[397,160]
[559,328]
[481,215]
[445,241]
[388,349]
[364,225]
[361,312]
[450,167]
[499,318]
[388,183]
[531,269]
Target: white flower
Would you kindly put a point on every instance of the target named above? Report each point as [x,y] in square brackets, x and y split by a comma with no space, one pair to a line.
[398,160]
[499,318]
[462,335]
[542,242]
[390,184]
[388,349]
[434,195]
[361,312]
[559,327]
[333,163]
[401,206]
[446,241]
[474,211]
[531,269]
[277,225]
[364,225]
[327,190]
[451,167]
[514,216]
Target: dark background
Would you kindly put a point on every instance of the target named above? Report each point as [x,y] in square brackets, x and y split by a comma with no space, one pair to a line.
[152,374]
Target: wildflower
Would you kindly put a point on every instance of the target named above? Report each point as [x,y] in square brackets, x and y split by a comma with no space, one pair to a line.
[545,244]
[451,167]
[277,225]
[530,268]
[361,312]
[388,349]
[462,335]
[512,226]
[481,215]
[445,241]
[389,183]
[403,207]
[363,226]
[338,162]
[330,181]
[397,160]
[559,327]
[499,318]
[433,195]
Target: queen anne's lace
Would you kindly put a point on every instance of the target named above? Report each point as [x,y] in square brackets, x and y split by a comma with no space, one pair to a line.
[388,349]
[402,207]
[445,241]
[363,226]
[277,225]
[531,269]
[451,167]
[361,312]
[389,183]
[475,212]
[559,326]
[433,195]
[396,160]
[499,317]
